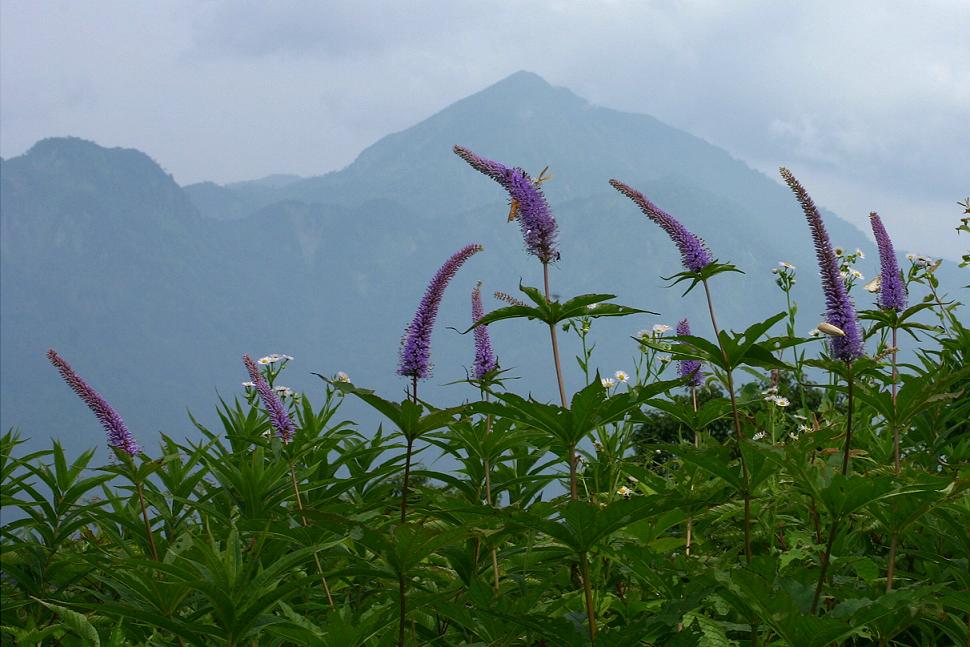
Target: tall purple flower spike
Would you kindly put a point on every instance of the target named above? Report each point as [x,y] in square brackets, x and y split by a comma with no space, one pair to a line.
[839,310]
[278,417]
[689,367]
[693,251]
[485,361]
[539,228]
[892,292]
[416,345]
[118,435]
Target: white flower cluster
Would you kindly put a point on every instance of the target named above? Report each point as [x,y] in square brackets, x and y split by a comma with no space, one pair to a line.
[273,359]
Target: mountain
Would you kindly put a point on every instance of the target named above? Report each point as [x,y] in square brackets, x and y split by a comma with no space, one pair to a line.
[153,291]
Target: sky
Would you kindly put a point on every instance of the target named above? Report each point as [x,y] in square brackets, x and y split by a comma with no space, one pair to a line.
[868,102]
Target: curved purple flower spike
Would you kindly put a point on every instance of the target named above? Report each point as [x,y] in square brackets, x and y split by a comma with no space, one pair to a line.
[892,292]
[539,228]
[693,251]
[485,361]
[278,417]
[839,310]
[416,345]
[689,367]
[118,435]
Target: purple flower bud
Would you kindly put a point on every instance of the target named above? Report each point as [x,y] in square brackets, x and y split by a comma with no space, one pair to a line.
[539,229]
[416,345]
[892,292]
[689,367]
[693,251]
[278,417]
[118,435]
[839,310]
[484,358]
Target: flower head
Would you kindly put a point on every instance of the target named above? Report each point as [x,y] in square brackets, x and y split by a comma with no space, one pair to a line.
[343,377]
[689,368]
[693,251]
[539,228]
[892,292]
[484,357]
[625,492]
[416,345]
[622,376]
[840,312]
[659,329]
[278,417]
[608,382]
[118,435]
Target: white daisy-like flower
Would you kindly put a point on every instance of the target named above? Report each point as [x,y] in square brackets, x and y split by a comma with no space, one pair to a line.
[911,257]
[664,359]
[608,382]
[342,377]
[249,385]
[643,334]
[621,376]
[625,492]
[265,360]
[856,274]
[758,436]
[858,253]
[844,274]
[781,402]
[288,358]
[839,251]
[659,329]
[786,265]
[285,391]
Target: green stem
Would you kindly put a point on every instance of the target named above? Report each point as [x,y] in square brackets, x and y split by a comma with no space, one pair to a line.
[562,387]
[745,474]
[588,590]
[306,524]
[144,516]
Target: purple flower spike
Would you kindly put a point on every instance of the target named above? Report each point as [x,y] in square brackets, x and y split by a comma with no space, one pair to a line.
[539,229]
[689,367]
[416,345]
[839,310]
[892,293]
[118,435]
[278,417]
[693,251]
[484,358]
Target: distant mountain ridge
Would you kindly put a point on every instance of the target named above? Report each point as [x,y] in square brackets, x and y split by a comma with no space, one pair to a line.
[153,291]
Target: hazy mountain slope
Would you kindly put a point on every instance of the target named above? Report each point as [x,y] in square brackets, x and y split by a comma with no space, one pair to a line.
[153,291]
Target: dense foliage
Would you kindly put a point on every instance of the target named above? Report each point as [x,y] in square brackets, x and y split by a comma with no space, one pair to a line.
[822,501]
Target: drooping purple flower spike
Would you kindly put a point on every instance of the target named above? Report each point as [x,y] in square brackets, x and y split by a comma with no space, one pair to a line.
[892,292]
[485,361]
[689,367]
[693,250]
[416,345]
[118,435]
[539,228]
[839,310]
[278,416]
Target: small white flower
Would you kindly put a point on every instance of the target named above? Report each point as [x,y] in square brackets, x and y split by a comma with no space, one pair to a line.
[793,435]
[608,382]
[249,385]
[288,358]
[758,436]
[781,402]
[814,332]
[856,274]
[625,492]
[265,360]
[844,275]
[284,391]
[804,429]
[664,359]
[858,253]
[839,251]
[621,376]
[786,265]
[644,334]
[911,257]
[342,377]
[659,329]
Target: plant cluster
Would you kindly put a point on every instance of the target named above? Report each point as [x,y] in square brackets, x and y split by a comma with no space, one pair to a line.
[759,487]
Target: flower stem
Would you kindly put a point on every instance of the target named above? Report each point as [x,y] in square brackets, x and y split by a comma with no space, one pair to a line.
[745,474]
[690,518]
[562,387]
[826,556]
[488,493]
[895,387]
[306,524]
[588,590]
[144,516]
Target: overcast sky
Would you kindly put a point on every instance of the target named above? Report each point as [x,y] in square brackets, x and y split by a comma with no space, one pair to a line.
[867,101]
